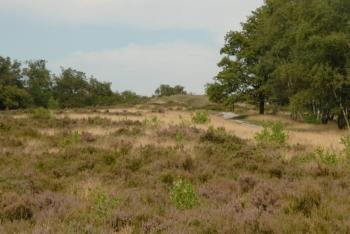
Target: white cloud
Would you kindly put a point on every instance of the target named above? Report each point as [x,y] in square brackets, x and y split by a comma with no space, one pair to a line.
[138,67]
[216,16]
[143,68]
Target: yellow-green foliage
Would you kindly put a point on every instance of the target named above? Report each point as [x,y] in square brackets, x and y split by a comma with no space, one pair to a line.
[200,117]
[272,133]
[183,194]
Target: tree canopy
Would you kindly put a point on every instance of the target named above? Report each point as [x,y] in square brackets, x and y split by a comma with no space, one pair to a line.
[33,85]
[290,52]
[167,90]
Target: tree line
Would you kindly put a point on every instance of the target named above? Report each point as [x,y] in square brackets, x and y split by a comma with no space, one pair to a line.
[34,85]
[168,90]
[292,53]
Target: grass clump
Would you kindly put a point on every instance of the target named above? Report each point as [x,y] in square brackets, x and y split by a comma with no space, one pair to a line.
[99,121]
[272,133]
[102,203]
[306,201]
[70,139]
[41,114]
[179,136]
[183,195]
[151,122]
[200,117]
[327,157]
[346,142]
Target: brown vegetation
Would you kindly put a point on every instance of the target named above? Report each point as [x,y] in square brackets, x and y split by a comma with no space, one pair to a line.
[117,171]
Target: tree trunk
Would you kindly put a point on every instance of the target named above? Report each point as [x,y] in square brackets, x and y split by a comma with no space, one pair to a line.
[262,105]
[341,121]
[324,118]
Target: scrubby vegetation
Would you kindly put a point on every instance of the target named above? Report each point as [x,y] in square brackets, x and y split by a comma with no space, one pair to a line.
[129,171]
[272,133]
[200,117]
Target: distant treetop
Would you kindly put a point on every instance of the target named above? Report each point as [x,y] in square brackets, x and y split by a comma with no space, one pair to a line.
[167,90]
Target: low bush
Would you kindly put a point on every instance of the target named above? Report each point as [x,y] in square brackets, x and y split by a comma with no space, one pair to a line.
[327,157]
[128,131]
[305,158]
[41,113]
[179,136]
[218,136]
[200,117]
[14,207]
[102,203]
[70,139]
[272,133]
[183,195]
[99,121]
[306,200]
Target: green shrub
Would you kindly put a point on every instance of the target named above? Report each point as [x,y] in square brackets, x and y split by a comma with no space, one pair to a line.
[200,117]
[183,195]
[41,113]
[52,104]
[102,203]
[179,136]
[272,133]
[327,157]
[218,136]
[70,139]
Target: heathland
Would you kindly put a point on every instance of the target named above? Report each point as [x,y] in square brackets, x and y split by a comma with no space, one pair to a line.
[170,166]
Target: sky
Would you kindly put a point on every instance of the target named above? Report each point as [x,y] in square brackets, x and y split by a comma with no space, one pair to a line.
[134,44]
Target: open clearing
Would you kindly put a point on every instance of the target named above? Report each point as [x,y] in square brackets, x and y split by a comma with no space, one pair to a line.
[309,135]
[150,169]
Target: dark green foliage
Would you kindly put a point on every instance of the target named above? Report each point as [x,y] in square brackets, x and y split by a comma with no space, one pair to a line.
[35,86]
[39,84]
[290,52]
[167,90]
[71,88]
[13,95]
